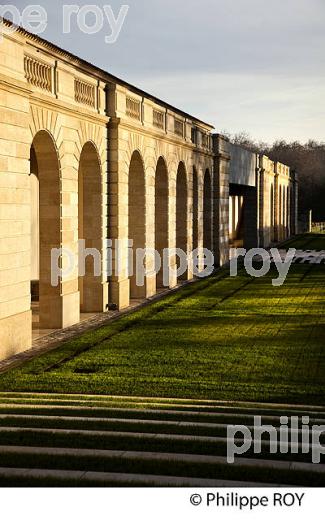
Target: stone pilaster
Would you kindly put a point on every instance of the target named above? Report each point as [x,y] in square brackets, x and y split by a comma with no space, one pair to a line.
[221,200]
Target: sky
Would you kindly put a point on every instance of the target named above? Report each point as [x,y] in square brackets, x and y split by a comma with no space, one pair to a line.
[242,65]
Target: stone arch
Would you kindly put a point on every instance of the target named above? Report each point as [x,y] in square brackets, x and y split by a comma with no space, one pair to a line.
[135,144]
[161,214]
[90,229]
[207,211]
[45,120]
[45,229]
[136,217]
[160,150]
[175,157]
[95,134]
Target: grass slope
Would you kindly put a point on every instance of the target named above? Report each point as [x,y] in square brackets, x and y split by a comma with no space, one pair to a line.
[222,338]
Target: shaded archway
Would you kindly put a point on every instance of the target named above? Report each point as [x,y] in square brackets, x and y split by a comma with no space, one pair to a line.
[136,218]
[195,210]
[90,227]
[181,214]
[207,212]
[161,214]
[45,231]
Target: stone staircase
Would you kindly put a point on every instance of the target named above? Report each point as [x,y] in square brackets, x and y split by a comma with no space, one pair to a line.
[70,440]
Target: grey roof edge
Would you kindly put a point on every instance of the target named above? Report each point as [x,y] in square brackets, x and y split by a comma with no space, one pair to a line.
[104,74]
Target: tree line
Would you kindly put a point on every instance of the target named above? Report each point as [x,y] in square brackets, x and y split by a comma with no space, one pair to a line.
[307,159]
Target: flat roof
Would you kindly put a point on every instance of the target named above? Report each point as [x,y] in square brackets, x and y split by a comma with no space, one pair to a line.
[103,72]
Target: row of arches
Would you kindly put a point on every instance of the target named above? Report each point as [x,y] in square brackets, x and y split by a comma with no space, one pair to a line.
[59,218]
[52,226]
[162,225]
[280,212]
[284,211]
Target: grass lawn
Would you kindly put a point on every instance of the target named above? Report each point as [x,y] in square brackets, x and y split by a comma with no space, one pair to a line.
[222,338]
[312,241]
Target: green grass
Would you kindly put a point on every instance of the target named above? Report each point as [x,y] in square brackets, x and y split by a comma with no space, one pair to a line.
[222,338]
[308,241]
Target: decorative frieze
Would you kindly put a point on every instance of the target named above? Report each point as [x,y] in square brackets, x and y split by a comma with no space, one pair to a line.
[194,133]
[85,93]
[133,108]
[159,119]
[205,141]
[38,73]
[178,127]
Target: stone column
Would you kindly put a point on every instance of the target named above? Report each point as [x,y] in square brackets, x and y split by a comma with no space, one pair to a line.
[200,216]
[150,282]
[70,296]
[172,227]
[262,203]
[294,203]
[277,203]
[190,221]
[221,200]
[118,217]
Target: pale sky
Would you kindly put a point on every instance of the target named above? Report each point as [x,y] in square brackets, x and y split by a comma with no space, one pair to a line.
[242,65]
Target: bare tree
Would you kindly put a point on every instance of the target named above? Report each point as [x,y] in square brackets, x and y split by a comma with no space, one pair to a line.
[307,159]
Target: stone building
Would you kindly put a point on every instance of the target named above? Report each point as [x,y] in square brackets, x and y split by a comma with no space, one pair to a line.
[86,156]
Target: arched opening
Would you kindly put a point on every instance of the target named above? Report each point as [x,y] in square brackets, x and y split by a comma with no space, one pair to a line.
[45,231]
[181,214]
[195,210]
[207,212]
[137,218]
[90,228]
[161,214]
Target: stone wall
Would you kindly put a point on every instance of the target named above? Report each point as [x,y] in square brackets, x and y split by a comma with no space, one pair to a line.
[85,156]
[68,135]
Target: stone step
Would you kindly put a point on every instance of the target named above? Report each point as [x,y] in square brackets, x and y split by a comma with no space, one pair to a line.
[124,425]
[141,413]
[130,441]
[176,405]
[85,397]
[38,477]
[139,441]
[172,464]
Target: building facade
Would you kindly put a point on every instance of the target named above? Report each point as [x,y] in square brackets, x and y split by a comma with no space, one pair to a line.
[86,158]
